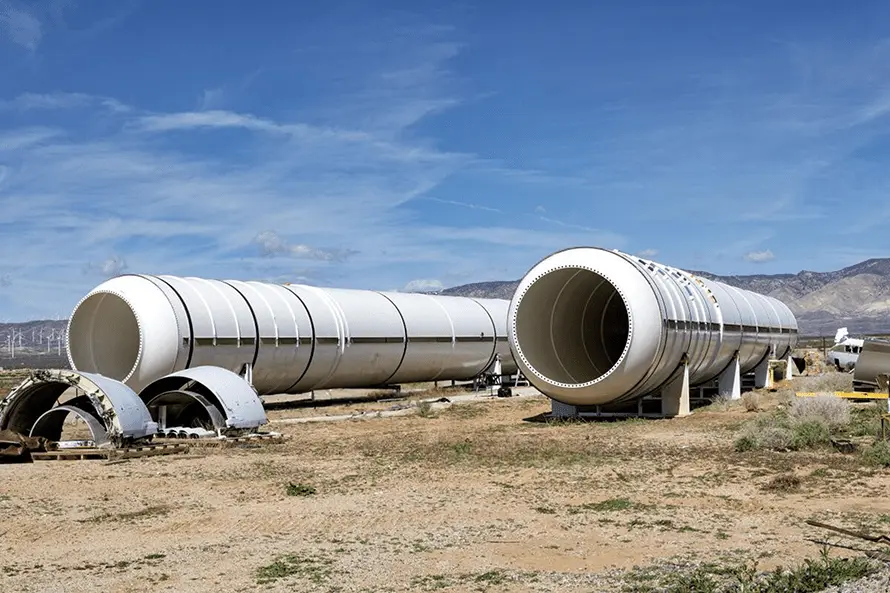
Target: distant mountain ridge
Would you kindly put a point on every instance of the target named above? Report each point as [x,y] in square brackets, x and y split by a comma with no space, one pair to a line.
[857,296]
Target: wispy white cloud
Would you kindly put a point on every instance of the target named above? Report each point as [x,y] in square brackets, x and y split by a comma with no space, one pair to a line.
[55,101]
[647,253]
[760,257]
[111,266]
[20,26]
[24,137]
[568,225]
[469,205]
[169,122]
[272,244]
[424,285]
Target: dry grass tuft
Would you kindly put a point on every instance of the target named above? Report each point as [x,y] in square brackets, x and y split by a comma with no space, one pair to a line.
[829,410]
[751,401]
[826,382]
[783,483]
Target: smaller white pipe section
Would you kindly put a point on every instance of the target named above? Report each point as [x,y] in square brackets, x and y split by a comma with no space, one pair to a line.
[138,328]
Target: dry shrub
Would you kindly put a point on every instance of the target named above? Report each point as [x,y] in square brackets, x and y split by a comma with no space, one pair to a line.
[783,483]
[721,403]
[751,401]
[878,454]
[769,434]
[829,382]
[775,438]
[831,411]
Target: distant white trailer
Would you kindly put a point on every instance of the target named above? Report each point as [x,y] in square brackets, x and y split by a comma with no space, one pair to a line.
[846,350]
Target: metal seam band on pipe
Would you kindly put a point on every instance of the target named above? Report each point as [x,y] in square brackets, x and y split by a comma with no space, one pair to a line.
[136,328]
[589,326]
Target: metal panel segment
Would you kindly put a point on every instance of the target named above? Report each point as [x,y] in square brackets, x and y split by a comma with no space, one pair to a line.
[237,400]
[118,407]
[50,424]
[181,400]
[873,361]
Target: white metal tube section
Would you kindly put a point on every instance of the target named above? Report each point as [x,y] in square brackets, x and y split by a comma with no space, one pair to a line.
[589,326]
[138,328]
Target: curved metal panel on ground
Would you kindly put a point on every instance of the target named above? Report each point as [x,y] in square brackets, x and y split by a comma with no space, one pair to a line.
[185,409]
[234,397]
[297,338]
[874,360]
[50,424]
[119,409]
[591,326]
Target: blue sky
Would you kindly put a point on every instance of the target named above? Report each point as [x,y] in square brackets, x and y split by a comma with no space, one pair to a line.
[394,145]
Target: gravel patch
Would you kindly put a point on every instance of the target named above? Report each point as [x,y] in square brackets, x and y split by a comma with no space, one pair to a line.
[876,583]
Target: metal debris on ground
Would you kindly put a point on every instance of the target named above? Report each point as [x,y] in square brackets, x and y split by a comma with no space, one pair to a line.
[226,441]
[16,448]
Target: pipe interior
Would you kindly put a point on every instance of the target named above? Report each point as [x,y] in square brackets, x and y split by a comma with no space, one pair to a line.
[572,326]
[104,337]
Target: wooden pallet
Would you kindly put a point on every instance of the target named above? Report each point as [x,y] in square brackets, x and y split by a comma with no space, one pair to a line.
[81,453]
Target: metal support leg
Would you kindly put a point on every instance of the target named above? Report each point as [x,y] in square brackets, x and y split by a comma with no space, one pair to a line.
[247,373]
[561,410]
[730,383]
[789,368]
[675,395]
[763,377]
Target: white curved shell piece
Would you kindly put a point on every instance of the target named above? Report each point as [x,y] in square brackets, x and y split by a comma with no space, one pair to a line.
[297,338]
[50,424]
[237,401]
[115,405]
[591,326]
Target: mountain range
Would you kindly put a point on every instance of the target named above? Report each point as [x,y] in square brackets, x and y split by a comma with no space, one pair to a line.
[856,297]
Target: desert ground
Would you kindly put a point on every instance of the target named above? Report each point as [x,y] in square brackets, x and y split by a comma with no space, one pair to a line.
[479,495]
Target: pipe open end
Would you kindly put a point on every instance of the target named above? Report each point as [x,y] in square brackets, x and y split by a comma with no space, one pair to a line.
[104,336]
[572,327]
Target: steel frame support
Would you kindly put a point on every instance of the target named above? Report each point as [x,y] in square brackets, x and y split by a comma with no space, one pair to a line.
[730,381]
[675,395]
[763,375]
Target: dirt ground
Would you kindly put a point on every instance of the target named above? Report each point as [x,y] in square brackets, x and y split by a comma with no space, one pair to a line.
[472,497]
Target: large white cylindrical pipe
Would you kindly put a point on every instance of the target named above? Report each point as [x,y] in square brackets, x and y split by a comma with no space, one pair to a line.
[590,326]
[137,328]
